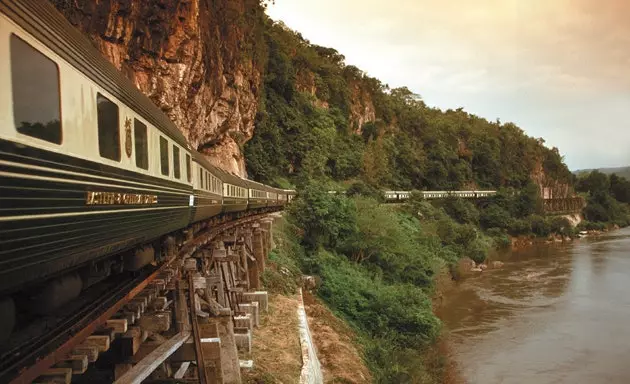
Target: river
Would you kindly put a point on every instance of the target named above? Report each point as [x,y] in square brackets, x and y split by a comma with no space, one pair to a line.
[557,313]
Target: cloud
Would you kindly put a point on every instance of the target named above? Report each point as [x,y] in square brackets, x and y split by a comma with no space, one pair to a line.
[560,69]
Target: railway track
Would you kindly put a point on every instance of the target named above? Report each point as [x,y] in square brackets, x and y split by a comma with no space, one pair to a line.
[94,315]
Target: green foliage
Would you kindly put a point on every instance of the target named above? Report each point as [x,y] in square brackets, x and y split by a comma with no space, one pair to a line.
[608,197]
[620,188]
[494,216]
[540,226]
[400,313]
[593,182]
[283,274]
[461,210]
[519,227]
[591,226]
[362,189]
[325,218]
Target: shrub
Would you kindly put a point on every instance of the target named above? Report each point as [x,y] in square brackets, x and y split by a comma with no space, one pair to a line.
[495,217]
[461,210]
[478,251]
[561,225]
[519,227]
[540,226]
[362,189]
[591,226]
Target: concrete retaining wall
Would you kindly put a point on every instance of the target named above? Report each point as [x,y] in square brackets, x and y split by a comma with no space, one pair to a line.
[311,369]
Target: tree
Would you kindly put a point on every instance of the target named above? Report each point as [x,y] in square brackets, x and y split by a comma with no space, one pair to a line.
[326,218]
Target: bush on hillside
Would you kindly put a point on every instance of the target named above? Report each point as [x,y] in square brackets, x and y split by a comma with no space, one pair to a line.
[362,189]
[463,211]
[519,227]
[540,226]
[495,217]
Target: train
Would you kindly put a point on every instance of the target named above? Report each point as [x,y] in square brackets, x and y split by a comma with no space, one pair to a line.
[94,177]
[405,195]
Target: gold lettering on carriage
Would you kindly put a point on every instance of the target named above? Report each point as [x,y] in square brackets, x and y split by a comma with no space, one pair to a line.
[117,198]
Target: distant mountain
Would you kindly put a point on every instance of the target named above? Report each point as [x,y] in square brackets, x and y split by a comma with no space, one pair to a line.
[620,171]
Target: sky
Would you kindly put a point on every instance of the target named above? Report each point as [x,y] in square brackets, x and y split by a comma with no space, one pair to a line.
[559,69]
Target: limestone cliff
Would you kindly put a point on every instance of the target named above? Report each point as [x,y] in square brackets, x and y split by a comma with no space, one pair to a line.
[549,186]
[196,59]
[361,107]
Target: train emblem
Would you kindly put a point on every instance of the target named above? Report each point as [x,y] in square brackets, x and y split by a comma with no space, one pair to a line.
[128,137]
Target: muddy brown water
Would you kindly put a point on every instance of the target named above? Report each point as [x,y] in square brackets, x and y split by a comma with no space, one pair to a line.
[555,313]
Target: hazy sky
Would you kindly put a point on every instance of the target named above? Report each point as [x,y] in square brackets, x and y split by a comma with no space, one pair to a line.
[560,69]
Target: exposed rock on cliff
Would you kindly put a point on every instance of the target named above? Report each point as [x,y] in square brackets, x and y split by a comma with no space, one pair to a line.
[198,60]
[549,186]
[361,106]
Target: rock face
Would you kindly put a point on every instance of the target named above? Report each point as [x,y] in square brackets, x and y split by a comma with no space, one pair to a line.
[361,106]
[197,60]
[549,187]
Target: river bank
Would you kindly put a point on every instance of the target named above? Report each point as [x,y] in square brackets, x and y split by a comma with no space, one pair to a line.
[552,313]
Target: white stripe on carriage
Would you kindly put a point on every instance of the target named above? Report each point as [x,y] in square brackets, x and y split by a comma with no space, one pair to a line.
[39,168]
[69,181]
[88,213]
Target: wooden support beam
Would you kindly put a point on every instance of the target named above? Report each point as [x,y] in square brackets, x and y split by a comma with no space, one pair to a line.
[157,322]
[181,371]
[121,369]
[78,364]
[90,351]
[143,369]
[130,342]
[118,325]
[99,341]
[55,375]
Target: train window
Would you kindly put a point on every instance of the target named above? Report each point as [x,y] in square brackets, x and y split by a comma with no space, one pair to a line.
[141,143]
[188,165]
[176,170]
[200,178]
[207,181]
[108,130]
[164,156]
[36,97]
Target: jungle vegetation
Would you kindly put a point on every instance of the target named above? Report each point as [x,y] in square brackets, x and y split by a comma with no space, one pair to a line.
[378,263]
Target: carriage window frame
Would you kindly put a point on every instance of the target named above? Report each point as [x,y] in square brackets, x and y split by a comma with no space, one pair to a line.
[177,171]
[188,168]
[57,137]
[164,163]
[200,178]
[142,152]
[105,127]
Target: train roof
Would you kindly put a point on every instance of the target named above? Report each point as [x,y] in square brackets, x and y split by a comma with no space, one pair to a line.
[42,20]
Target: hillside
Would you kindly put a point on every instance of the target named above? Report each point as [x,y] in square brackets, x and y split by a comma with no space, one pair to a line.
[619,171]
[321,119]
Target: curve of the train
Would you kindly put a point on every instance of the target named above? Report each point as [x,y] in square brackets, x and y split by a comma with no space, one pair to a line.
[90,167]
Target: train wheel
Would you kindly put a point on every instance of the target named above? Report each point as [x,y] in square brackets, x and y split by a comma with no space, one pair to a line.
[7,318]
[55,293]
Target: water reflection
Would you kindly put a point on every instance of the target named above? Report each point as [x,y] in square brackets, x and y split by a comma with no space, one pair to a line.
[553,313]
